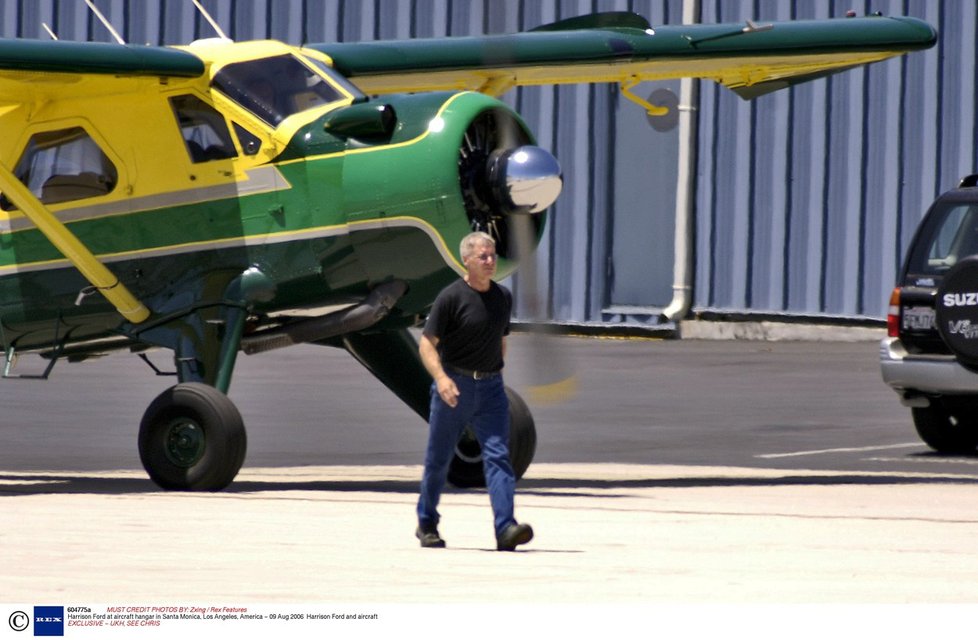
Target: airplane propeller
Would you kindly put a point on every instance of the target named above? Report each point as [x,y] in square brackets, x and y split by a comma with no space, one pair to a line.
[508,183]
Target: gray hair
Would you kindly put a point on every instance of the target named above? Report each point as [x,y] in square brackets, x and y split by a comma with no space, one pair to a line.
[473,240]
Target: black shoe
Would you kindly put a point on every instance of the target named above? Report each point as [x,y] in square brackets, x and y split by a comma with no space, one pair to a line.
[514,535]
[428,535]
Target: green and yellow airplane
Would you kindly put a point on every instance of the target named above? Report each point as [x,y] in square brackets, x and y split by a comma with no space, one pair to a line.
[244,196]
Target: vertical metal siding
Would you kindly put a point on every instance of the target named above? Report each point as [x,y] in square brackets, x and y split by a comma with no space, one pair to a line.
[806,199]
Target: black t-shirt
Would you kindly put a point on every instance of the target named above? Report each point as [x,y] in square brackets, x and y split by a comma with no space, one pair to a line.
[470,325]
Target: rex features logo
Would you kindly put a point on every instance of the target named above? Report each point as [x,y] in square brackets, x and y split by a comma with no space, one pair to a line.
[49,621]
[969,299]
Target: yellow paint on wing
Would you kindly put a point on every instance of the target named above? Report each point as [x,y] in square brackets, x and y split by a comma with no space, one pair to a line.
[732,71]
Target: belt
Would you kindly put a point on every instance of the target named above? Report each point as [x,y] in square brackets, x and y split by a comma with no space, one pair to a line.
[475,375]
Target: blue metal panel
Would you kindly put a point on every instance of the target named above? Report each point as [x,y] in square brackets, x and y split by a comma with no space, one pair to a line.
[808,197]
[579,125]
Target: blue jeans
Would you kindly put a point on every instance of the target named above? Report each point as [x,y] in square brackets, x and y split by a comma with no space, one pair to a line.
[482,404]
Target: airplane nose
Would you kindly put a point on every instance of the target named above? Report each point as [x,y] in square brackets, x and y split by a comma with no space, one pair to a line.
[528,178]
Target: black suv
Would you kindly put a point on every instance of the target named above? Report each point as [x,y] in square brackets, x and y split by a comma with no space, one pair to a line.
[930,354]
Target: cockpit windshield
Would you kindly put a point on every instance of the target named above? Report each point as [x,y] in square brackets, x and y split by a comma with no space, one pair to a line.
[277,87]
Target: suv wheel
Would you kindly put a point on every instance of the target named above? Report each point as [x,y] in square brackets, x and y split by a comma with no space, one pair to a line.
[944,431]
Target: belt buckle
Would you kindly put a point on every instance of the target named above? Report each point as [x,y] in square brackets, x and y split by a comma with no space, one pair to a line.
[479,375]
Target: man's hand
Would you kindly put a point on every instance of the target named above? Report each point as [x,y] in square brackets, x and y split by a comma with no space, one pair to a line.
[448,391]
[428,347]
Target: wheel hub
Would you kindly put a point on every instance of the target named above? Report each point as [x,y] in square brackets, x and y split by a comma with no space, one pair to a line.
[185,443]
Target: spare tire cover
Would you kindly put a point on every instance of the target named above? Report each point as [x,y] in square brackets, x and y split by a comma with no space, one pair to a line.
[956,310]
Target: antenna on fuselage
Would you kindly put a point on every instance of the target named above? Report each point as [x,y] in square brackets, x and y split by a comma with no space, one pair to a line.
[104,21]
[211,20]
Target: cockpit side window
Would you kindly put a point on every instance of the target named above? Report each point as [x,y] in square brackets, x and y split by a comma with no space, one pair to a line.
[64,165]
[275,88]
[203,129]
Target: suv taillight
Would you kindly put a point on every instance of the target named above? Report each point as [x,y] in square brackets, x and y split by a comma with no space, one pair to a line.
[893,315]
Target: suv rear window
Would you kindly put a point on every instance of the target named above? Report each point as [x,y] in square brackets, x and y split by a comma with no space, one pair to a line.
[949,235]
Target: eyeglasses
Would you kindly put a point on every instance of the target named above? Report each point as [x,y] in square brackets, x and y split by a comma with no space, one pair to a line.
[485,257]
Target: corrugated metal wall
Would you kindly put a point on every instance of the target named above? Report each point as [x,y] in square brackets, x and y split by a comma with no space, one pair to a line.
[808,198]
[805,200]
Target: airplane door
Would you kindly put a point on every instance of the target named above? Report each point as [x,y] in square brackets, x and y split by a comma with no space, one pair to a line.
[643,218]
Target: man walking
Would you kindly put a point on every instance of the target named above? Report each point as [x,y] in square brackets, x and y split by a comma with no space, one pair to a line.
[462,347]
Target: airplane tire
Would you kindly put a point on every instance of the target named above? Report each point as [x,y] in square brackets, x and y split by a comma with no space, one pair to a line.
[192,438]
[466,470]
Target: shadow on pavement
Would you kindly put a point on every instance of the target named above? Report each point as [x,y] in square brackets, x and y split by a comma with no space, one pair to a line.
[14,484]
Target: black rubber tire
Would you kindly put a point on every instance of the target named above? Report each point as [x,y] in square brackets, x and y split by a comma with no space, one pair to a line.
[466,469]
[192,438]
[947,429]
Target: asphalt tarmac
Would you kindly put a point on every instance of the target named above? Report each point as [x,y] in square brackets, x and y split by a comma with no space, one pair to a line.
[695,472]
[678,402]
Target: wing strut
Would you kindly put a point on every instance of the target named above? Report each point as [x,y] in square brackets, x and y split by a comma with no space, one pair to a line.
[72,248]
[654,110]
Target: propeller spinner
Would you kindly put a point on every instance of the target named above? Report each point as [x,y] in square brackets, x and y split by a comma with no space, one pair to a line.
[526,179]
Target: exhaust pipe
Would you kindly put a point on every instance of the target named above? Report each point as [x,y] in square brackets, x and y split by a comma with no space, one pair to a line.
[357,318]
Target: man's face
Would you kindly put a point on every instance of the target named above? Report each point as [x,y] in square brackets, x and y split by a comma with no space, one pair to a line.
[482,261]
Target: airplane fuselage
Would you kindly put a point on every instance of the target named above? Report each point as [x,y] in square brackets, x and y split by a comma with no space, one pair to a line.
[180,187]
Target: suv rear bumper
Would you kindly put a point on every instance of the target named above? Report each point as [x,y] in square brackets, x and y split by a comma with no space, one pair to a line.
[911,374]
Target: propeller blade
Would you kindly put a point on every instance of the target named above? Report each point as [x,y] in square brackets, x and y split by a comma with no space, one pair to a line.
[550,372]
[507,183]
